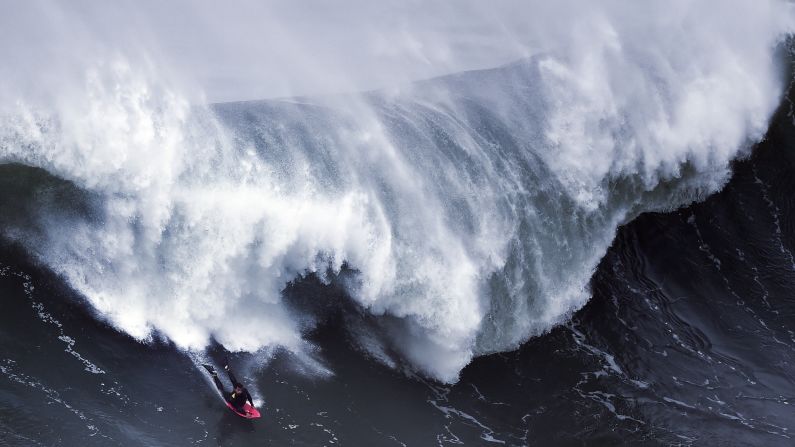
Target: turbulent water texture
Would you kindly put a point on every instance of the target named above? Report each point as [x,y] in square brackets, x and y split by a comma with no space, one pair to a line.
[508,255]
[463,214]
[688,340]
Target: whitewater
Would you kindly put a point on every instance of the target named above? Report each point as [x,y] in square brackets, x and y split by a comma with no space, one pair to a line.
[462,214]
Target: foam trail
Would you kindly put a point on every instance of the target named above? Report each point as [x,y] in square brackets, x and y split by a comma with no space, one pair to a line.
[473,208]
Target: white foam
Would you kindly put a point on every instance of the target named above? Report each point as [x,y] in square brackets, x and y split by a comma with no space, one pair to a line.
[196,231]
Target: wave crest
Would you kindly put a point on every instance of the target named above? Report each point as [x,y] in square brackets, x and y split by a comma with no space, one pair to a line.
[473,208]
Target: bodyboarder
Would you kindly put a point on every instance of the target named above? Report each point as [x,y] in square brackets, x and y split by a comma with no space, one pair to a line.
[238,396]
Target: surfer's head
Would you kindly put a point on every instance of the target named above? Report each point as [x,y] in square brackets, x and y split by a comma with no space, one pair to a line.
[238,388]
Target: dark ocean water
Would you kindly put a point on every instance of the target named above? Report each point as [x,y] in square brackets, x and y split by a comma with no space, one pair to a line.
[689,339]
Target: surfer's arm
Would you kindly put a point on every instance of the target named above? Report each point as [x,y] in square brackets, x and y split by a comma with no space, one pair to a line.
[231,375]
[248,398]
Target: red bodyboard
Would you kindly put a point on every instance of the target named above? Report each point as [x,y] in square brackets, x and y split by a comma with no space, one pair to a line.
[250,412]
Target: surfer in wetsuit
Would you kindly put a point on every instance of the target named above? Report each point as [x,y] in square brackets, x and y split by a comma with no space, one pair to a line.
[239,394]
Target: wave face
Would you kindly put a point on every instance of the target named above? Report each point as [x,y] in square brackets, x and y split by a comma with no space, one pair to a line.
[462,215]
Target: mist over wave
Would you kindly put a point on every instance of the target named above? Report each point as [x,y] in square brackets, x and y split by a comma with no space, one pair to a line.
[463,214]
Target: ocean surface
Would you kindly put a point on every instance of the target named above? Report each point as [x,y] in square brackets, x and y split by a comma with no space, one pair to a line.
[429,266]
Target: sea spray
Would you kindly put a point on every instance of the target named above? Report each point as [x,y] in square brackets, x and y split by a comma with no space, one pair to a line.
[472,209]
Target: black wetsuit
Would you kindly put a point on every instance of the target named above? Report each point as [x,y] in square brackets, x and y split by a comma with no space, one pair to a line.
[236,399]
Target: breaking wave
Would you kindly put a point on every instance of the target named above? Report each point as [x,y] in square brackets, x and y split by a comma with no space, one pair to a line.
[462,215]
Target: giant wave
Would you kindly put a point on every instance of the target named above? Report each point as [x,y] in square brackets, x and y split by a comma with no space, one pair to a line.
[463,214]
